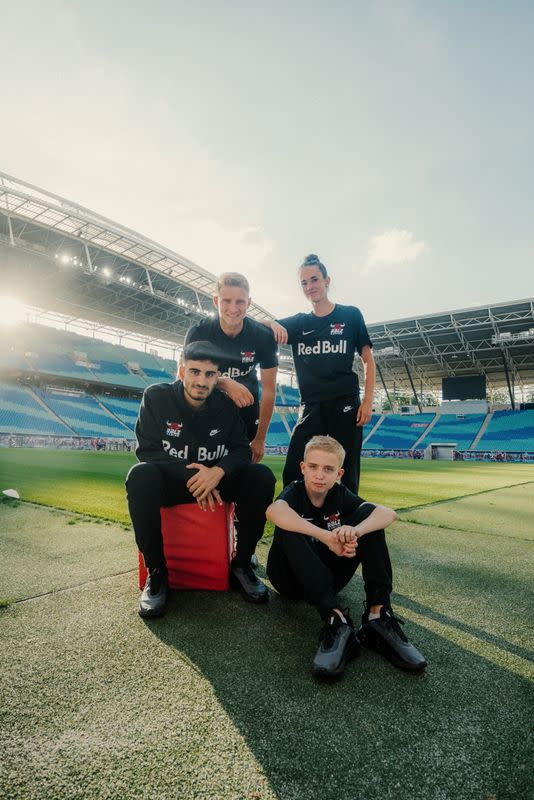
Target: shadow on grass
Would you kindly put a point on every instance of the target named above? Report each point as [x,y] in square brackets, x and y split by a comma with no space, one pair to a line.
[514,649]
[379,733]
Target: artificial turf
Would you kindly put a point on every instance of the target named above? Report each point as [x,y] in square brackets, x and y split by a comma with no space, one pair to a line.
[215,701]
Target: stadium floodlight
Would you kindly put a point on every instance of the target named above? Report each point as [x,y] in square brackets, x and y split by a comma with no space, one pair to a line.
[106,272]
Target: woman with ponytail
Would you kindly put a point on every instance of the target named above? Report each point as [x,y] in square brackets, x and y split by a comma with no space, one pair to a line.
[324,343]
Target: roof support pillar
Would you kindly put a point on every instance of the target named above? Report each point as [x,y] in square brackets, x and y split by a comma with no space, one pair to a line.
[88,257]
[10,227]
[507,373]
[384,384]
[413,388]
[149,281]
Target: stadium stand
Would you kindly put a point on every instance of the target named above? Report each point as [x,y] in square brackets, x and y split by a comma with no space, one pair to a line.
[509,431]
[277,435]
[47,351]
[461,431]
[21,412]
[398,432]
[116,374]
[370,425]
[103,373]
[57,364]
[126,410]
[10,359]
[84,415]
[157,375]
[288,396]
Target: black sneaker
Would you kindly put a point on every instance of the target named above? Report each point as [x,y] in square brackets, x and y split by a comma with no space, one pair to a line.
[337,645]
[154,596]
[245,580]
[385,636]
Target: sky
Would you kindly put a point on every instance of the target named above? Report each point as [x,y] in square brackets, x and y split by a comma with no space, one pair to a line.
[394,139]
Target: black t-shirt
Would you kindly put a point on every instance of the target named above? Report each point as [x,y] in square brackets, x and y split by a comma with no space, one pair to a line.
[254,345]
[324,349]
[340,503]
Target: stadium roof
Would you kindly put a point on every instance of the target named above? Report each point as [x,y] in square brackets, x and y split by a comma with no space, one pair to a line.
[494,340]
[63,258]
[68,259]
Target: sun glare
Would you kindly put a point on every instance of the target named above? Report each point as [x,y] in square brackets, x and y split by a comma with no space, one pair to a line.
[11,311]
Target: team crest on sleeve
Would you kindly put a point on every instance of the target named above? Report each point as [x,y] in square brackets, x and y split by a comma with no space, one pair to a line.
[174,428]
[332,520]
[247,357]
[336,328]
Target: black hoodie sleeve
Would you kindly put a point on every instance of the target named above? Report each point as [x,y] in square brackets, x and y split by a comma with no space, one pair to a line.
[149,445]
[239,452]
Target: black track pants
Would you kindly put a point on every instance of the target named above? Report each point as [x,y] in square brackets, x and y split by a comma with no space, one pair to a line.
[336,418]
[303,569]
[150,486]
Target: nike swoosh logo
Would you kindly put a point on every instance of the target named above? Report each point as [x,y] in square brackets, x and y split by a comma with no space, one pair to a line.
[305,333]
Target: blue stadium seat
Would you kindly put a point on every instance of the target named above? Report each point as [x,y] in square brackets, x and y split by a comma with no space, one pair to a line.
[123,408]
[84,415]
[114,373]
[509,431]
[58,364]
[20,412]
[450,428]
[158,375]
[289,396]
[54,352]
[370,425]
[277,434]
[398,432]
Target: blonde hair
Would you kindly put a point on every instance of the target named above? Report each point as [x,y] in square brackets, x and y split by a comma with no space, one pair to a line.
[232,279]
[328,444]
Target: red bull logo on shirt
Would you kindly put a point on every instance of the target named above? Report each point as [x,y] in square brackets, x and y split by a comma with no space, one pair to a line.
[174,428]
[336,328]
[332,521]
[235,372]
[248,356]
[203,454]
[322,348]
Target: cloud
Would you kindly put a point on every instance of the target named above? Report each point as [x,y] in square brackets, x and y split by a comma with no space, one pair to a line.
[219,248]
[391,248]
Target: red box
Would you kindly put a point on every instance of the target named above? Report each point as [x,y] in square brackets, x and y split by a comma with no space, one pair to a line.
[198,546]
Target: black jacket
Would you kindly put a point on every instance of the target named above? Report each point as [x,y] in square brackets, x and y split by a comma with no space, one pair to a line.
[171,433]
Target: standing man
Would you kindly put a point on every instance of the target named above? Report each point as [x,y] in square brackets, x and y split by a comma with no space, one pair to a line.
[325,342]
[244,344]
[193,447]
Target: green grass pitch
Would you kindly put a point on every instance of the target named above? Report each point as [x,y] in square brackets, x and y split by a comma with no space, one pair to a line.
[215,701]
